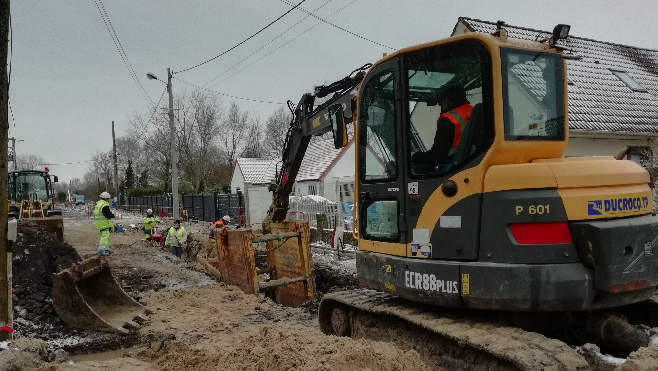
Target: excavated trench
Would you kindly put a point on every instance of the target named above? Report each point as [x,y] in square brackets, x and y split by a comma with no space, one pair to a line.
[37,255]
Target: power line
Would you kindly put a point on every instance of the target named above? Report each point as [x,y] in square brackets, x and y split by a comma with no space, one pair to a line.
[12,113]
[66,163]
[338,27]
[123,52]
[268,43]
[282,45]
[117,44]
[226,95]
[155,109]
[245,40]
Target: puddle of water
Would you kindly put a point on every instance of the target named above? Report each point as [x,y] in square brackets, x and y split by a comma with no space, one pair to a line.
[105,356]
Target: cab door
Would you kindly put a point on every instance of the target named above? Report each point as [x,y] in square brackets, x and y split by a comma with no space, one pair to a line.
[437,81]
[379,169]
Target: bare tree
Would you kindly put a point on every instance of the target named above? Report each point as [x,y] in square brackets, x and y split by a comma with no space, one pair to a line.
[254,146]
[276,129]
[30,162]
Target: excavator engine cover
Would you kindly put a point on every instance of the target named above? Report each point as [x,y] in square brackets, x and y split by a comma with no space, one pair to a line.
[87,296]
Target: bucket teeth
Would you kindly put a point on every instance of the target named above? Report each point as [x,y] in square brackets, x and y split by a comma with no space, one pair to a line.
[131,326]
[140,319]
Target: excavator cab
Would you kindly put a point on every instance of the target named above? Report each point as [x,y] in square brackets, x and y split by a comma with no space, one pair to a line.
[492,217]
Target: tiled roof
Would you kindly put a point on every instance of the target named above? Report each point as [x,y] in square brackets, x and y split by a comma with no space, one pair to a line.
[319,156]
[257,170]
[598,100]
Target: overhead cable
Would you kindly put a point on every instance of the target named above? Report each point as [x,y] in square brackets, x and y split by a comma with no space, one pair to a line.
[12,112]
[155,109]
[117,44]
[268,43]
[282,45]
[338,27]
[243,41]
[65,163]
[226,95]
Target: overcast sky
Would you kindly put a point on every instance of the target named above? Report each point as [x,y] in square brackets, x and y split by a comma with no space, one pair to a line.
[69,81]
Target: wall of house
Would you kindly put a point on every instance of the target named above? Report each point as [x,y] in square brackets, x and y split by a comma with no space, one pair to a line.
[237,180]
[257,201]
[345,164]
[582,146]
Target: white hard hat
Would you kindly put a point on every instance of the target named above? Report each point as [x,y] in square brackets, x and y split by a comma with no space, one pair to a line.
[149,211]
[227,218]
[105,195]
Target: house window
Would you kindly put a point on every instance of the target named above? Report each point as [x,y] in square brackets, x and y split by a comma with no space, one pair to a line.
[626,79]
[641,155]
[312,190]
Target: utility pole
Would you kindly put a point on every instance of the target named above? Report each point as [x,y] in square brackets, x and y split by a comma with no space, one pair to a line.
[5,247]
[13,151]
[174,157]
[116,167]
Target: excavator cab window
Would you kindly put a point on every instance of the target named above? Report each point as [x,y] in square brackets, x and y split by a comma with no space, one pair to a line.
[378,132]
[533,95]
[446,81]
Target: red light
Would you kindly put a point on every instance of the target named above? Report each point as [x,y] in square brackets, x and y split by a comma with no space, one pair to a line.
[541,233]
[47,170]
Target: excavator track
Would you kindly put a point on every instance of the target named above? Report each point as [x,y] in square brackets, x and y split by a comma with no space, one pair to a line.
[456,340]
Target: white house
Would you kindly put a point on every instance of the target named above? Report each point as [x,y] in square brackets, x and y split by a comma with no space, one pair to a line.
[326,173]
[251,176]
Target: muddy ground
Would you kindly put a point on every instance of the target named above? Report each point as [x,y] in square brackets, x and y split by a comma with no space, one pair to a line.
[198,323]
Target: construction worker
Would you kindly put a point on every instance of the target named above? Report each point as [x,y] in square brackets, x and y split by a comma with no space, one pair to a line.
[102,217]
[176,239]
[455,111]
[149,223]
[218,225]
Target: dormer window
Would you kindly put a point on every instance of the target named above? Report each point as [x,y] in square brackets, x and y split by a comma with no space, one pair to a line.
[626,79]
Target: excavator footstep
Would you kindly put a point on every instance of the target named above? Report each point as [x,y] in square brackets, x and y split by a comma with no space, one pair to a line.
[87,296]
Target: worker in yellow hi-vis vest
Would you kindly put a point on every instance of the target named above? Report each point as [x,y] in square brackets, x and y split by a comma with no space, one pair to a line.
[149,223]
[102,217]
[176,239]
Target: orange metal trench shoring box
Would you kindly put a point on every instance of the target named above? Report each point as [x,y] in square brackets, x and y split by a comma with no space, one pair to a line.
[288,256]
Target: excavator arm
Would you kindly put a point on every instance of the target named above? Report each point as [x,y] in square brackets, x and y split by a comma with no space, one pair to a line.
[309,120]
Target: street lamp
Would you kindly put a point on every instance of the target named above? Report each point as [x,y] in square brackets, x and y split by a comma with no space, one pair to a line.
[172,138]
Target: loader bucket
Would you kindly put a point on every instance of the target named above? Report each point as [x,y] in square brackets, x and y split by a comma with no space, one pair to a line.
[87,296]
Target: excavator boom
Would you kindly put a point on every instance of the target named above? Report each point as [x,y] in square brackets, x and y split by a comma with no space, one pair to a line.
[308,121]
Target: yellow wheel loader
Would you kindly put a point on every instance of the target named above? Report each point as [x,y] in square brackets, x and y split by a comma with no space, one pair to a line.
[469,253]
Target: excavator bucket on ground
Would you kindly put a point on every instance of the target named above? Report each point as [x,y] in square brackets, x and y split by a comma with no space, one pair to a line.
[87,296]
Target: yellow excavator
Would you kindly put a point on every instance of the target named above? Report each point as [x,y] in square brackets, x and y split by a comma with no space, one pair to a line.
[496,251]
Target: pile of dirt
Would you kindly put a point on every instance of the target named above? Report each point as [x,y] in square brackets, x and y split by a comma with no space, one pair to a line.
[37,255]
[276,348]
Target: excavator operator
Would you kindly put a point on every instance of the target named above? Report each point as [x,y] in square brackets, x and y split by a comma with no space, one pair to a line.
[455,111]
